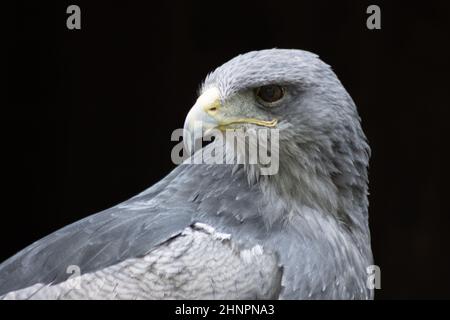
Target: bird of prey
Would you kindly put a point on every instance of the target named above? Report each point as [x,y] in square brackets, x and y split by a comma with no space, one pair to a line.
[227,231]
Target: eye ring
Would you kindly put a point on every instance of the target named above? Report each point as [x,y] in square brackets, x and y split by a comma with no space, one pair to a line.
[269,94]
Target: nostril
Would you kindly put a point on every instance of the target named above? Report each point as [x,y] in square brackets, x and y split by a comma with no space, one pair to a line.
[212,107]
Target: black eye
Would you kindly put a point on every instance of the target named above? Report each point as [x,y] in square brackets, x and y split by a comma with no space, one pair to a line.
[270,93]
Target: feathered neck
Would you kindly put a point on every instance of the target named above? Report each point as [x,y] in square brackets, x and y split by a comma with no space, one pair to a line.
[329,177]
[316,177]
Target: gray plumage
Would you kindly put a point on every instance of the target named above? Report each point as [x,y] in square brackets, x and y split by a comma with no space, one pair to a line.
[225,231]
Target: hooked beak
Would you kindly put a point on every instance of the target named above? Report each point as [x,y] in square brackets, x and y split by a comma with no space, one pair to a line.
[205,116]
[199,121]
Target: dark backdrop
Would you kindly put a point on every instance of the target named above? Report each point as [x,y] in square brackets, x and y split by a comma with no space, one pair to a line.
[93,110]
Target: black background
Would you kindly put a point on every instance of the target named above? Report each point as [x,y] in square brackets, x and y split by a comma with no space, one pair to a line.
[93,110]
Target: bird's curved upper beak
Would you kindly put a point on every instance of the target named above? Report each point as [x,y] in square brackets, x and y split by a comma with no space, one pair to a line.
[200,120]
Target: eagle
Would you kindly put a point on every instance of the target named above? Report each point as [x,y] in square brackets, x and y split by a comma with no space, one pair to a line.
[229,230]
